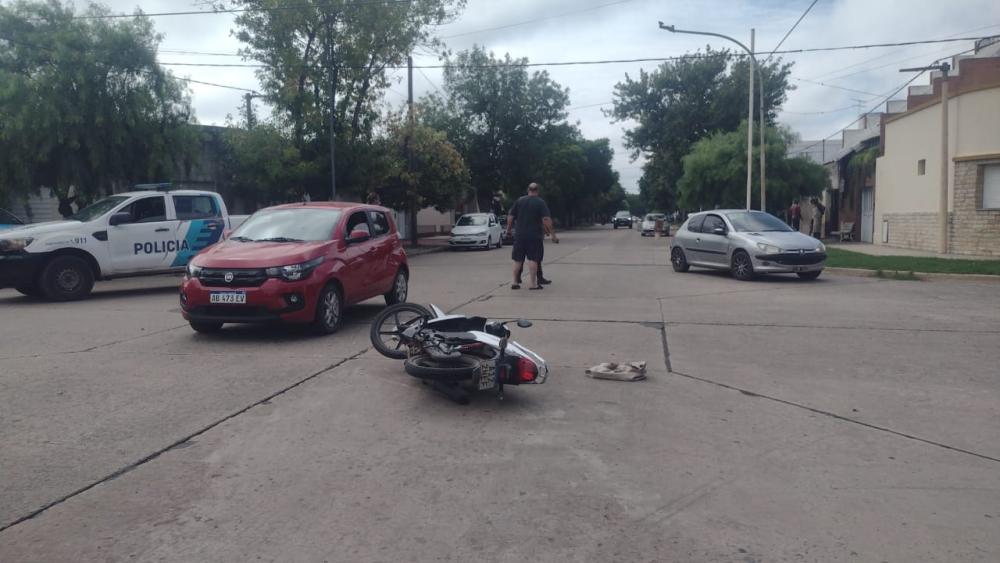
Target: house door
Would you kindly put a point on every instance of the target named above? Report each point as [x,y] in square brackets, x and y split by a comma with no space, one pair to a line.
[867,214]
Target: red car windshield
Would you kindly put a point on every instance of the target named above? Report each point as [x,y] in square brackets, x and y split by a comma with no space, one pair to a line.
[288,225]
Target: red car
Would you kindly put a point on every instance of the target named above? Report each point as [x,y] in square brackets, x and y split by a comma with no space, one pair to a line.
[298,263]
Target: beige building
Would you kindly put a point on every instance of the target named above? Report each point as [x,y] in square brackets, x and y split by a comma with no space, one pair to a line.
[908,174]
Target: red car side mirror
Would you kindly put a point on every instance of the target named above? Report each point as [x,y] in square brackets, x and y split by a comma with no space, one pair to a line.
[358,235]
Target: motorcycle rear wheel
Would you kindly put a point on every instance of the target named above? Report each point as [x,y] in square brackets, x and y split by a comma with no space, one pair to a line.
[389,324]
[426,367]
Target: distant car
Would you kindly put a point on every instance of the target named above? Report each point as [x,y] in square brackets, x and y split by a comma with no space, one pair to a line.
[649,224]
[622,219]
[8,220]
[746,243]
[297,263]
[477,230]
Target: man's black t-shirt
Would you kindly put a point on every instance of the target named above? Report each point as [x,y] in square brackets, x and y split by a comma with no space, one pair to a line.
[528,212]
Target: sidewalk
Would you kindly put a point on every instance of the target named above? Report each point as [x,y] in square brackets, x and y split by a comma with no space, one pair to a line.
[881,250]
[427,245]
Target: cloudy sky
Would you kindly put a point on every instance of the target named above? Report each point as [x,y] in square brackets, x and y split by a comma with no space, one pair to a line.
[577,30]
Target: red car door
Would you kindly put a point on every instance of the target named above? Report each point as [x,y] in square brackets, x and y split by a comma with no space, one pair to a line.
[384,268]
[359,258]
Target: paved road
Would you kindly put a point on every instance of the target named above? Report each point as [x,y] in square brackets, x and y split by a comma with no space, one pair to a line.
[846,419]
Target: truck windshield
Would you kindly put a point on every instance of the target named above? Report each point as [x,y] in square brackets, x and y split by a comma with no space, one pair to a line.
[288,225]
[95,210]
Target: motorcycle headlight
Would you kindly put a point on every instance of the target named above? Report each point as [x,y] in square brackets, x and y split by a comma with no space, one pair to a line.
[193,271]
[821,247]
[768,248]
[294,272]
[14,244]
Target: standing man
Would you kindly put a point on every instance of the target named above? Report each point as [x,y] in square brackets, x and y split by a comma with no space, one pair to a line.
[533,221]
[795,214]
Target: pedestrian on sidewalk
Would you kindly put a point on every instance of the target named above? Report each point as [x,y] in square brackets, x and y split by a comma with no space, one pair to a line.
[816,224]
[533,221]
[795,214]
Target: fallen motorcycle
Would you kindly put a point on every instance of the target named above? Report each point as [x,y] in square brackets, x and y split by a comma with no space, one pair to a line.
[455,353]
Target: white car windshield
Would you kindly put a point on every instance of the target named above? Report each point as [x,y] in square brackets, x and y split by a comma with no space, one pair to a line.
[471,221]
[288,225]
[757,222]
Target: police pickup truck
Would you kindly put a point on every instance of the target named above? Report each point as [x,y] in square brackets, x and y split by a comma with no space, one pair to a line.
[128,234]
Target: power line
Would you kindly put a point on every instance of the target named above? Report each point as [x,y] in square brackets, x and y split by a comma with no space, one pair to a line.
[236,10]
[789,32]
[870,94]
[884,100]
[609,102]
[637,60]
[866,61]
[564,14]
[820,112]
[427,78]
[216,85]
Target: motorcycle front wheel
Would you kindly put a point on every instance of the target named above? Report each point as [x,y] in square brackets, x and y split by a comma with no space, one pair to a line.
[388,326]
[426,367]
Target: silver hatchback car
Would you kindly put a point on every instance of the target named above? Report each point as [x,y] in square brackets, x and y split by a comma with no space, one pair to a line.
[747,243]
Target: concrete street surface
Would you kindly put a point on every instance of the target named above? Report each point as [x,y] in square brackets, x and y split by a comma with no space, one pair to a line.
[846,419]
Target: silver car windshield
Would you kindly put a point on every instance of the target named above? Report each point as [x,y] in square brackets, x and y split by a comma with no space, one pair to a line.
[757,222]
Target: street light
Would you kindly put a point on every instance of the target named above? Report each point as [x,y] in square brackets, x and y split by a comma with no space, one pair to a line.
[756,67]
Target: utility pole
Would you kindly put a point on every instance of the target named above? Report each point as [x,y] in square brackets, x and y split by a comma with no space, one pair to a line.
[760,82]
[333,107]
[414,240]
[763,129]
[943,196]
[248,99]
[750,131]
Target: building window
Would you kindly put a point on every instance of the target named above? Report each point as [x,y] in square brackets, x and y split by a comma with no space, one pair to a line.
[921,167]
[991,186]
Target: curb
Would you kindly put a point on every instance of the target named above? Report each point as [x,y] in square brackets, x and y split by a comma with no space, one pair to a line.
[922,275]
[421,250]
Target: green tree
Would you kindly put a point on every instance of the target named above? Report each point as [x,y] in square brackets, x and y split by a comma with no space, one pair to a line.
[437,177]
[83,102]
[344,42]
[715,172]
[683,101]
[636,205]
[265,166]
[498,115]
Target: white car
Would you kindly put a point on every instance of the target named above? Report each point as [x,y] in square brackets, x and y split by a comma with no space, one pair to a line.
[649,224]
[477,230]
[128,234]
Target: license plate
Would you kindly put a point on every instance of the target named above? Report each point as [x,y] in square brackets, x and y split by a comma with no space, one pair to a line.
[487,377]
[228,297]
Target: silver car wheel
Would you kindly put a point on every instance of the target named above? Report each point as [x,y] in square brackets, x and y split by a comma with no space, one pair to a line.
[742,267]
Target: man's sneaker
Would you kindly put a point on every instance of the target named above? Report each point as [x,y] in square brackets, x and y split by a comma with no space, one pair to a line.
[543,281]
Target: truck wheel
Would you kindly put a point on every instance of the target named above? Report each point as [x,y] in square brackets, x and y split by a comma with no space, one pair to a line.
[31,290]
[66,278]
[206,327]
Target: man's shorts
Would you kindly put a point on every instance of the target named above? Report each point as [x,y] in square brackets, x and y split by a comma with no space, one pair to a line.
[532,249]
